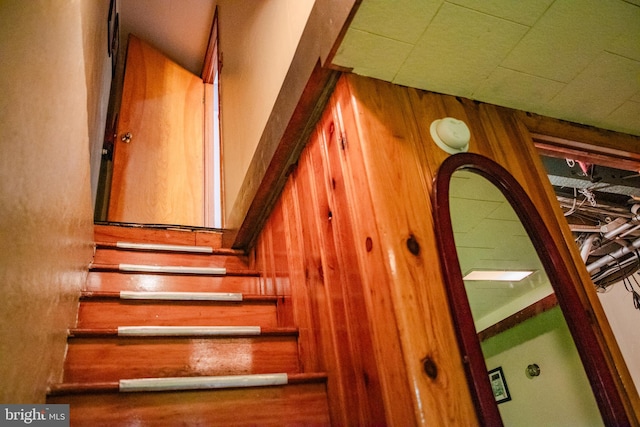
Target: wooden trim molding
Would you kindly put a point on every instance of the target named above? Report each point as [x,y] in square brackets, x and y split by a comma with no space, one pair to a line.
[551,134]
[538,307]
[592,355]
[269,180]
[211,60]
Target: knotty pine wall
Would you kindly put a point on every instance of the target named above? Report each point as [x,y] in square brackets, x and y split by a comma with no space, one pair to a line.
[352,240]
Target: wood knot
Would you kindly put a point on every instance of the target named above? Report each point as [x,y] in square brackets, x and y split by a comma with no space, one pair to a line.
[369,244]
[430,367]
[413,245]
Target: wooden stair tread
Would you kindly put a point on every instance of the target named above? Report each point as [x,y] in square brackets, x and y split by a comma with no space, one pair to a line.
[116,267]
[111,313]
[98,358]
[175,248]
[113,332]
[115,386]
[231,261]
[115,281]
[198,297]
[145,347]
[293,404]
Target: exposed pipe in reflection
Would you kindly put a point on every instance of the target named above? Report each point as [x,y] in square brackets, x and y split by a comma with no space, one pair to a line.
[611,257]
[585,250]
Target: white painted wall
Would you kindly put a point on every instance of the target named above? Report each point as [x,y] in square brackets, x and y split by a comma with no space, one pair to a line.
[624,320]
[258,40]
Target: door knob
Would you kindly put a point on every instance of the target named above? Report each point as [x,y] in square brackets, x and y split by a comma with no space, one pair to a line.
[126,137]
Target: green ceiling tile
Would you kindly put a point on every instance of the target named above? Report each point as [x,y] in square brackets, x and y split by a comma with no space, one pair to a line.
[569,36]
[522,12]
[626,118]
[601,88]
[403,20]
[517,90]
[371,55]
[627,43]
[459,50]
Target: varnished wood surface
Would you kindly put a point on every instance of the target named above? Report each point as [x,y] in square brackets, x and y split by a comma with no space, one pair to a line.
[176,249]
[158,177]
[98,357]
[113,233]
[116,256]
[303,404]
[116,281]
[105,314]
[380,179]
[112,359]
[396,172]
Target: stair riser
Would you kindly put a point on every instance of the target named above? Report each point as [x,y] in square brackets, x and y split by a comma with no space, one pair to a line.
[114,256]
[112,359]
[116,281]
[303,404]
[105,233]
[113,313]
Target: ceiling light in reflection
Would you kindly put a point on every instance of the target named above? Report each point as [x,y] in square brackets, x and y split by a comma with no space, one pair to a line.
[497,275]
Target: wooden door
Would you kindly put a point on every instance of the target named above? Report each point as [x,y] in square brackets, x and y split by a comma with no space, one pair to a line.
[158,175]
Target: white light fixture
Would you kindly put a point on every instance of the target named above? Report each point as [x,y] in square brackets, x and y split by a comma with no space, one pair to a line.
[497,275]
[451,135]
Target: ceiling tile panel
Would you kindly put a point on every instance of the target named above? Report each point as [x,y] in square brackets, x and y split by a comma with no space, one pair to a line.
[459,50]
[569,36]
[517,90]
[522,12]
[371,55]
[460,209]
[626,118]
[600,89]
[403,20]
[470,185]
[627,44]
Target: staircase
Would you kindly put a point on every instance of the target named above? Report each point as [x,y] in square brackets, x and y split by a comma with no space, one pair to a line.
[174,330]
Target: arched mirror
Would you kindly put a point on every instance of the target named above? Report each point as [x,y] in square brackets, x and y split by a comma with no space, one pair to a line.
[529,350]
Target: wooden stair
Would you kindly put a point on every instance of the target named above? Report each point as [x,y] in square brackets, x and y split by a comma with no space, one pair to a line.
[181,347]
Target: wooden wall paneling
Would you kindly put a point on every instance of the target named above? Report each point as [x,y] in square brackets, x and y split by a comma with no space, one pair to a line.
[374,270]
[308,344]
[317,272]
[345,340]
[367,289]
[359,318]
[357,367]
[263,250]
[497,133]
[399,191]
[279,252]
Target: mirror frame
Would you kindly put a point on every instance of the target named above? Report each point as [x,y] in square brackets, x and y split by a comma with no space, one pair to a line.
[600,377]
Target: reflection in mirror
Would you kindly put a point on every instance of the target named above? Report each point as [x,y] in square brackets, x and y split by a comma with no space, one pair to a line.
[517,319]
[548,326]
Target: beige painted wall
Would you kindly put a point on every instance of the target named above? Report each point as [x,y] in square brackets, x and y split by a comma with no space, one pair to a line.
[623,318]
[97,65]
[258,41]
[45,198]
